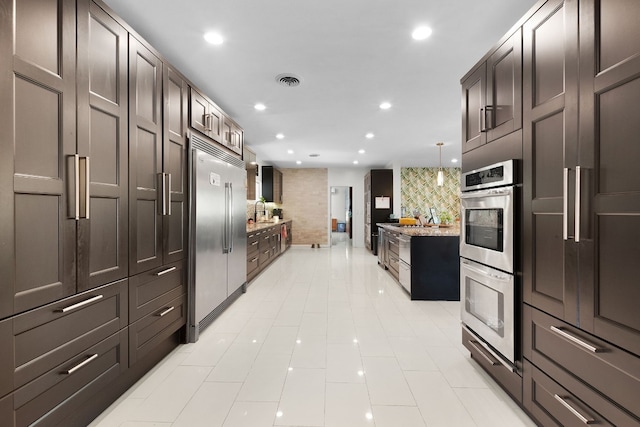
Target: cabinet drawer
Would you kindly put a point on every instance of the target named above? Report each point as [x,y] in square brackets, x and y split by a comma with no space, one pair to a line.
[510,381]
[556,347]
[265,255]
[394,247]
[253,240]
[155,327]
[394,266]
[575,404]
[153,290]
[252,263]
[71,383]
[49,336]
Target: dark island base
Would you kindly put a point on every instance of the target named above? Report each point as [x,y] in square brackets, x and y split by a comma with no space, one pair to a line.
[435,268]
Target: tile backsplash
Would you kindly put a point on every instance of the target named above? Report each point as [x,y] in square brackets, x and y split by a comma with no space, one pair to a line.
[420,192]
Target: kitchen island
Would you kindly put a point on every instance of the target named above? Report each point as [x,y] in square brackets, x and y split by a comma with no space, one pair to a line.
[265,242]
[424,260]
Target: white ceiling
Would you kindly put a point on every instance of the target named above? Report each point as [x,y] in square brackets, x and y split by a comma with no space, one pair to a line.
[351,55]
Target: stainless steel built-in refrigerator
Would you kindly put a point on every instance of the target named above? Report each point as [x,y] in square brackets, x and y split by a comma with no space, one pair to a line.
[218,271]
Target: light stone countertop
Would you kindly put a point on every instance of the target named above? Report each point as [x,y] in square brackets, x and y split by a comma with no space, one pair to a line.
[263,225]
[453,230]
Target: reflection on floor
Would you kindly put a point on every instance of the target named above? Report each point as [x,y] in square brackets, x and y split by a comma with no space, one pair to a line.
[324,337]
[340,238]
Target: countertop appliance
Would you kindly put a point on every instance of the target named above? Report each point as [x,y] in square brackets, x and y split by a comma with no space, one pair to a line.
[487,281]
[218,269]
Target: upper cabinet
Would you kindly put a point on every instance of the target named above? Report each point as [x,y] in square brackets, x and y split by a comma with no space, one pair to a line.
[208,119]
[492,96]
[205,117]
[271,184]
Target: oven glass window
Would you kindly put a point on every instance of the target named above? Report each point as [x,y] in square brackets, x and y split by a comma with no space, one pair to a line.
[484,228]
[486,304]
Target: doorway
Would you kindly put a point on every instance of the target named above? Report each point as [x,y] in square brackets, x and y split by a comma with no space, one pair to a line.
[341,208]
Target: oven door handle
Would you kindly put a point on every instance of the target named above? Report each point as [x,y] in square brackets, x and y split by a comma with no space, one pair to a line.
[496,192]
[504,278]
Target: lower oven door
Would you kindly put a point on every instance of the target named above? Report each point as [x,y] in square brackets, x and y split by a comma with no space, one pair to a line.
[487,305]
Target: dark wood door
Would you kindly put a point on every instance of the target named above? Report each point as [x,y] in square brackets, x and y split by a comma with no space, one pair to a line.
[198,112]
[550,135]
[38,144]
[473,109]
[238,139]
[103,139]
[503,112]
[610,185]
[145,158]
[175,164]
[227,133]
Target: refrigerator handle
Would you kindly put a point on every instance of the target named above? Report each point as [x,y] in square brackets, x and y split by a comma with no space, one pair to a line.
[230,216]
[225,231]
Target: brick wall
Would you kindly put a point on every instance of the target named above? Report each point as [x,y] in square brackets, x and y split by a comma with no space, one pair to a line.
[306,202]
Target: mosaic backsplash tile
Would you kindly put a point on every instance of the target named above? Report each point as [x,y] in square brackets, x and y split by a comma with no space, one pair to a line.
[420,192]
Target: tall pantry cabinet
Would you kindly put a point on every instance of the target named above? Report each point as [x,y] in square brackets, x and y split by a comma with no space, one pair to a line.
[581,211]
[92,210]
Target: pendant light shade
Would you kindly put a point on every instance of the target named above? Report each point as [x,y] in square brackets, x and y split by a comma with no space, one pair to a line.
[440,179]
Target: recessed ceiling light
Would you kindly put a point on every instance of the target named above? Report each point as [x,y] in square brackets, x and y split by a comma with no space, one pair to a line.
[290,151]
[260,107]
[369,135]
[214,38]
[355,162]
[454,160]
[280,136]
[421,33]
[385,106]
[298,162]
[361,151]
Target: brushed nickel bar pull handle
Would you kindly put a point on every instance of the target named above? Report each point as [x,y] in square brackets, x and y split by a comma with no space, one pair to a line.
[573,410]
[163,272]
[577,207]
[254,260]
[76,172]
[576,340]
[565,203]
[165,312]
[480,121]
[80,304]
[266,252]
[250,236]
[81,364]
[487,358]
[160,189]
[168,191]
[87,181]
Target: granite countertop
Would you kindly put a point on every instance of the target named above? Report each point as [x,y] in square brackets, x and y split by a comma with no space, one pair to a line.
[453,230]
[264,225]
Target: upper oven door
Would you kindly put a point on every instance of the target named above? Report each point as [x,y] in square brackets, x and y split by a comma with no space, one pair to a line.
[486,234]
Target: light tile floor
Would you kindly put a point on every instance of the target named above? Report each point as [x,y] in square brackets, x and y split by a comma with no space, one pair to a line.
[323,337]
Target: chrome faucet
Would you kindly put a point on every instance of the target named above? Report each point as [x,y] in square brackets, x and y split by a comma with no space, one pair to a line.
[255,210]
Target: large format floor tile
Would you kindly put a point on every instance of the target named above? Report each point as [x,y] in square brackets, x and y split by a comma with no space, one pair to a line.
[323,337]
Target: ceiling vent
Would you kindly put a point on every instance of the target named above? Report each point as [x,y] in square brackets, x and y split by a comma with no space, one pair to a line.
[288,80]
[314,155]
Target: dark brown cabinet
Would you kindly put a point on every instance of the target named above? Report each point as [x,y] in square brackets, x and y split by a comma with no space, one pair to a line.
[157,161]
[272,184]
[492,96]
[103,140]
[607,212]
[265,245]
[550,135]
[205,117]
[583,204]
[378,183]
[38,126]
[232,136]
[581,207]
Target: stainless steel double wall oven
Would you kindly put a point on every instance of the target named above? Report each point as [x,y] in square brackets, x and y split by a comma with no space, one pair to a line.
[487,234]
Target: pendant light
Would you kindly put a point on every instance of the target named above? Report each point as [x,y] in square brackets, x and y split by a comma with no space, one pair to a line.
[440,179]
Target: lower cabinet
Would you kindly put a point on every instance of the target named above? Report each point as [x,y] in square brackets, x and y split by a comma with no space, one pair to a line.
[157,307]
[265,245]
[602,381]
[60,355]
